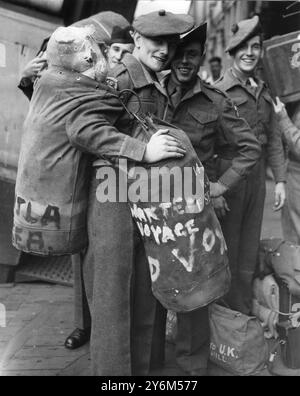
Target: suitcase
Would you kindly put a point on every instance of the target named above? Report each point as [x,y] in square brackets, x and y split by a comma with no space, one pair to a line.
[289,326]
[282,66]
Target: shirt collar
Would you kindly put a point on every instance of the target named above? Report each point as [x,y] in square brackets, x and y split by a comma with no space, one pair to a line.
[169,84]
[232,79]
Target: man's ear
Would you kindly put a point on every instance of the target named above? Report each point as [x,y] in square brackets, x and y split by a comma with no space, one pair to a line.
[203,54]
[137,38]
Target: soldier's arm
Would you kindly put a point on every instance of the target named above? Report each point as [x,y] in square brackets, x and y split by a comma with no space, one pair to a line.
[90,128]
[236,137]
[275,151]
[26,86]
[290,131]
[29,73]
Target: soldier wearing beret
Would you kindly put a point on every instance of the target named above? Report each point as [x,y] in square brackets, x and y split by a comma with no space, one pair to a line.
[210,120]
[120,43]
[116,271]
[241,224]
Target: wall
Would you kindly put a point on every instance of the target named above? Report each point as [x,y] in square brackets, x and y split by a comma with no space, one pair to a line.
[20,39]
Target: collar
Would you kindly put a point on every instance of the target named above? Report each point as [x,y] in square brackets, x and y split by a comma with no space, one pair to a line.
[168,84]
[239,75]
[230,80]
[136,71]
[139,74]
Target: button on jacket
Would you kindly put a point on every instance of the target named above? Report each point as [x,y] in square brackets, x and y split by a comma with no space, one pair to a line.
[256,107]
[211,122]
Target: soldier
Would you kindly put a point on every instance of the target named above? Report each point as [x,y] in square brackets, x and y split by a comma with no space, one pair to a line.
[241,224]
[112,28]
[210,120]
[215,66]
[120,43]
[290,129]
[116,271]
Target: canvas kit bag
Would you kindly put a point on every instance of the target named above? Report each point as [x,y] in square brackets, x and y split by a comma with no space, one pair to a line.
[237,342]
[182,236]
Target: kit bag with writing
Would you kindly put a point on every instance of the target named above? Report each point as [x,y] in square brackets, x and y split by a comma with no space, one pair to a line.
[182,236]
[51,193]
[237,342]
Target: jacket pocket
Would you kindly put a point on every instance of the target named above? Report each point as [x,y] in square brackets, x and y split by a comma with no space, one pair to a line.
[240,101]
[203,117]
[204,125]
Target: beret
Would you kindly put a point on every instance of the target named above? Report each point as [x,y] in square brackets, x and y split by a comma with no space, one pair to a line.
[103,23]
[197,34]
[163,23]
[243,31]
[121,35]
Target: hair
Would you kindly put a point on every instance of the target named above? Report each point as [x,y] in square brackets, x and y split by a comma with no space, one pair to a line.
[215,59]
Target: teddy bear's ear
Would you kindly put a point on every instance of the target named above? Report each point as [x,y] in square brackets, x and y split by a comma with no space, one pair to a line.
[234,28]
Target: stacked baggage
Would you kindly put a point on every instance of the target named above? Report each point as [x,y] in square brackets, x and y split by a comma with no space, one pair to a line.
[277,296]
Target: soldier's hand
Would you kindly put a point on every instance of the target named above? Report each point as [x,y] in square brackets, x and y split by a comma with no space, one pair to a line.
[220,206]
[162,146]
[279,107]
[217,189]
[280,196]
[34,67]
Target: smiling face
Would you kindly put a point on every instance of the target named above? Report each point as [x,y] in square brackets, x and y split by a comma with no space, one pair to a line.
[116,52]
[187,61]
[154,53]
[246,57]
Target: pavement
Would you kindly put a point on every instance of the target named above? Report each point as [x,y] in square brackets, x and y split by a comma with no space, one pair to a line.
[39,316]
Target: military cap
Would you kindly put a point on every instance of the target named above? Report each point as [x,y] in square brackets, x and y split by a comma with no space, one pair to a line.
[198,34]
[242,31]
[121,35]
[163,23]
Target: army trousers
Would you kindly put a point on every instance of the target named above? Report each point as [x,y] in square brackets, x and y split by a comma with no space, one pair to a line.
[117,281]
[242,229]
[192,340]
[82,317]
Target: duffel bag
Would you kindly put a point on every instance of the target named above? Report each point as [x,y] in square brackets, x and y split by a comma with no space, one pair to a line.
[237,342]
[182,236]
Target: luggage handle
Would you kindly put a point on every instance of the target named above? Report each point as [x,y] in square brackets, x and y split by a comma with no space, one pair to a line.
[142,119]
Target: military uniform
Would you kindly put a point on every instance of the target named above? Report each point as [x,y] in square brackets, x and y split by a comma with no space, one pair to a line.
[290,219]
[210,120]
[116,258]
[116,271]
[242,225]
